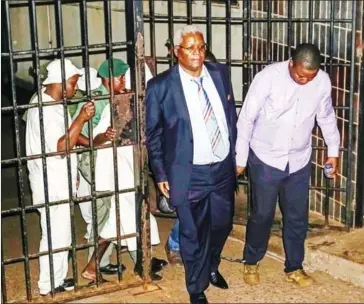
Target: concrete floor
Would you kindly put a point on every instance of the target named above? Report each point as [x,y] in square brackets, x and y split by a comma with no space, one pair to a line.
[273,287]
[171,289]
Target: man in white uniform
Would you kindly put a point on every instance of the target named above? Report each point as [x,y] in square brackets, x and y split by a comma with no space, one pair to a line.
[57,172]
[84,189]
[105,182]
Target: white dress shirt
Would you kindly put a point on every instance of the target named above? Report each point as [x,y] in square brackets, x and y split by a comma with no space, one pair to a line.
[202,150]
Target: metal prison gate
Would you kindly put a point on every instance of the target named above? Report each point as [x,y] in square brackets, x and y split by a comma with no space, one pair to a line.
[246,35]
[129,45]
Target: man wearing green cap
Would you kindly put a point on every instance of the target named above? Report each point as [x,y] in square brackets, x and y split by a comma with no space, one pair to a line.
[105,178]
[84,188]
[98,87]
[119,81]
[119,68]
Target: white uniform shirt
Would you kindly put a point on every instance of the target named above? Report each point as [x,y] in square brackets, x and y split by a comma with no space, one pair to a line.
[104,176]
[202,150]
[104,167]
[57,172]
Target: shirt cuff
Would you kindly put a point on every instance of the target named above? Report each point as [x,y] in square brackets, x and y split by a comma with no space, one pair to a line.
[241,159]
[333,151]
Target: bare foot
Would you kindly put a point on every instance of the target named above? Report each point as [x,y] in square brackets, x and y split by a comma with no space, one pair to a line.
[89,275]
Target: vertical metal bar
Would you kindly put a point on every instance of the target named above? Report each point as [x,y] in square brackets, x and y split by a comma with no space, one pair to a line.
[249,78]
[332,25]
[328,182]
[86,64]
[152,32]
[18,154]
[44,167]
[108,22]
[171,29]
[60,42]
[269,32]
[189,11]
[4,295]
[289,28]
[135,34]
[348,207]
[327,201]
[337,49]
[310,22]
[359,212]
[228,34]
[209,25]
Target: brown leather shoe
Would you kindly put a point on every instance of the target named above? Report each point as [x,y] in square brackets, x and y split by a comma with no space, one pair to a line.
[299,277]
[251,275]
[174,257]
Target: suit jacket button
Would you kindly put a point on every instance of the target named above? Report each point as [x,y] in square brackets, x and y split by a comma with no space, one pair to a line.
[191,141]
[190,161]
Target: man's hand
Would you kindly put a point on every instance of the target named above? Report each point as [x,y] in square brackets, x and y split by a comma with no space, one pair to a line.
[87,111]
[164,188]
[334,161]
[239,170]
[110,134]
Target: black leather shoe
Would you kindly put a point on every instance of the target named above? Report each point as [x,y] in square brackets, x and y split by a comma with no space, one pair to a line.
[164,206]
[198,298]
[111,269]
[157,265]
[68,284]
[154,276]
[218,280]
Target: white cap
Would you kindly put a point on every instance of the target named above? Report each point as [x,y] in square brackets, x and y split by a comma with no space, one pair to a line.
[54,74]
[95,81]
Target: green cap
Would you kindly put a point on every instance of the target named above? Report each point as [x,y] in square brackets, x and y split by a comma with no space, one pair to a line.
[119,68]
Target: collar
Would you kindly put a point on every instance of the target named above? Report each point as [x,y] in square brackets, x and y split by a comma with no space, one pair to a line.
[185,75]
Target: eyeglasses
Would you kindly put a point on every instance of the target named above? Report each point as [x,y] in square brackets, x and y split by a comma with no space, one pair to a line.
[200,48]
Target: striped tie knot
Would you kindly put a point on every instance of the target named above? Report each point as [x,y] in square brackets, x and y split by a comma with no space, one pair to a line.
[198,81]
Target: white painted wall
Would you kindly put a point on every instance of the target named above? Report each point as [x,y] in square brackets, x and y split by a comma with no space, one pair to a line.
[96,27]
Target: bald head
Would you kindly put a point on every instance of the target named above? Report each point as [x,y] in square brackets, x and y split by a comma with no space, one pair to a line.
[307,55]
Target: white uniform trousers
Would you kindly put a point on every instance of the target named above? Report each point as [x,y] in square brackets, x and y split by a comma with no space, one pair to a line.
[84,189]
[127,222]
[60,225]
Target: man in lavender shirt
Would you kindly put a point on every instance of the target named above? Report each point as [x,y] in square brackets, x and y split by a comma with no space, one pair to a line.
[274,139]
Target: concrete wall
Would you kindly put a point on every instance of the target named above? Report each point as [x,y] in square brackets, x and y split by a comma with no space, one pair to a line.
[47,32]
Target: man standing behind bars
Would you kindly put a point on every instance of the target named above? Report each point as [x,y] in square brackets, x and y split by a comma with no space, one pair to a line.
[274,138]
[57,172]
[119,81]
[191,132]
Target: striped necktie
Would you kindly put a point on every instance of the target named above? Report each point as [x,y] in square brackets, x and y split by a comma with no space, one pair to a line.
[210,120]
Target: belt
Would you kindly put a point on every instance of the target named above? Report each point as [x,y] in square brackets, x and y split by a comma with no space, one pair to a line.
[208,164]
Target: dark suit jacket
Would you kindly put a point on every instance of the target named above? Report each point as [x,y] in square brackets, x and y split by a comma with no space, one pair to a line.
[169,130]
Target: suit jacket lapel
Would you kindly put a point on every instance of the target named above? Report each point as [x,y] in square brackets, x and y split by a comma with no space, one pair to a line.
[179,96]
[216,77]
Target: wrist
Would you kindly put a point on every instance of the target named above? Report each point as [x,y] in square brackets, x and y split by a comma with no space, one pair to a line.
[80,119]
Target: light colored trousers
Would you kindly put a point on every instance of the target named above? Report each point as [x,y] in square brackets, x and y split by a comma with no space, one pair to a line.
[103,213]
[60,225]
